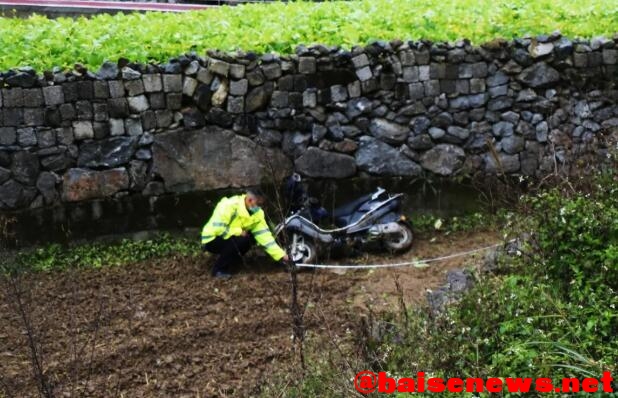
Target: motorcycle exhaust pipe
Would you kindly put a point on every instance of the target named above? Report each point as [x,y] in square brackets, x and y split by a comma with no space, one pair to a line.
[296,225]
[384,229]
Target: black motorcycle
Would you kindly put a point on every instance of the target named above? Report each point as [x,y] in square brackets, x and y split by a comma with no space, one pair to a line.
[373,219]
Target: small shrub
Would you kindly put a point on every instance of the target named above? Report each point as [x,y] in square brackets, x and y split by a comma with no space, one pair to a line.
[554,315]
[577,241]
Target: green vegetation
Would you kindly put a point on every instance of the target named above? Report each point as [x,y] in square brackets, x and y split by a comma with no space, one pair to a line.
[279,27]
[56,257]
[430,225]
[551,311]
[548,310]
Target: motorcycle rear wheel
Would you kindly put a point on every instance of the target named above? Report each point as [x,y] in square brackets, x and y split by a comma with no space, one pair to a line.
[402,241]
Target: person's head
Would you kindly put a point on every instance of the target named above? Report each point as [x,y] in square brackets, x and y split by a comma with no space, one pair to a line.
[254,199]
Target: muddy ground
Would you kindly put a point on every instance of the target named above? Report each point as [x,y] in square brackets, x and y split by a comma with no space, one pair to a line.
[165,328]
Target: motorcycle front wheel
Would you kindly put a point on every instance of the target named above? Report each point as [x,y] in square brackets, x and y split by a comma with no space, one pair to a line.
[402,240]
[302,249]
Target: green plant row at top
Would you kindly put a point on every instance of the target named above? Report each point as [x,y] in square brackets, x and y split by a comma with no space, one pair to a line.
[279,27]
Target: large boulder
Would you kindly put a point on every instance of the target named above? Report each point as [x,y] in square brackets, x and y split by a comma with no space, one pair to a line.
[213,158]
[82,184]
[443,159]
[539,75]
[388,132]
[377,157]
[316,162]
[111,152]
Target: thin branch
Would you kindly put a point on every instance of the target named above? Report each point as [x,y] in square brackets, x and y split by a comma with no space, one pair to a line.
[97,327]
[36,359]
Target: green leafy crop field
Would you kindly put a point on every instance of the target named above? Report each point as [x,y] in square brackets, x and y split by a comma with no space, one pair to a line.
[279,27]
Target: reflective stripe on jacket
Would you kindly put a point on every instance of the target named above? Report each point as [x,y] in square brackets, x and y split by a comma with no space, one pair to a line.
[231,218]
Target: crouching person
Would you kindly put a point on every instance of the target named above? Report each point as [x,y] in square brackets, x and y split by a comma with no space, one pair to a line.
[236,224]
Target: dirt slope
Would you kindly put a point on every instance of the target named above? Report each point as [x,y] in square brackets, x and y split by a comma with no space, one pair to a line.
[166,328]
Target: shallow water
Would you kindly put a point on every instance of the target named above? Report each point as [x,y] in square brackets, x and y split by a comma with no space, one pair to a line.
[86,220]
[441,198]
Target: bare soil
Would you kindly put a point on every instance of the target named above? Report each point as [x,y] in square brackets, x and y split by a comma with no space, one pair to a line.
[165,328]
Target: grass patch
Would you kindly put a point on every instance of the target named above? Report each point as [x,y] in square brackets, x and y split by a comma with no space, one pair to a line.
[279,27]
[96,255]
[427,225]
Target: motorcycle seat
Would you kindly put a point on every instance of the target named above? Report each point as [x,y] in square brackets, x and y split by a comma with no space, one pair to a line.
[341,213]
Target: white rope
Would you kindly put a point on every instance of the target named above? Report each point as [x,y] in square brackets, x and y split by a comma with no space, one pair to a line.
[416,263]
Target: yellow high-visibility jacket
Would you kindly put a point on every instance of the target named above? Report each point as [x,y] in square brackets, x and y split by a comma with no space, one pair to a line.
[231,218]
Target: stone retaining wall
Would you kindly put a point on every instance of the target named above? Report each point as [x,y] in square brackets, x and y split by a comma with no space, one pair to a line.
[389,109]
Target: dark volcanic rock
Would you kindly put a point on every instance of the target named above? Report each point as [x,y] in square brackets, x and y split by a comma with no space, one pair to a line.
[111,152]
[539,75]
[5,174]
[319,163]
[443,159]
[57,162]
[21,79]
[25,167]
[213,158]
[377,157]
[108,71]
[258,98]
[388,132]
[193,119]
[14,195]
[46,184]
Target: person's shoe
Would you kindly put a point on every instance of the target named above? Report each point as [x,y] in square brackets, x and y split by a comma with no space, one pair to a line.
[222,275]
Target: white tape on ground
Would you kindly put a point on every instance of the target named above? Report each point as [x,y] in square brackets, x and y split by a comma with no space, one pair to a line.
[415,263]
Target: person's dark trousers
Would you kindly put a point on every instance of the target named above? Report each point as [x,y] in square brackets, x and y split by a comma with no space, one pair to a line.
[230,251]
